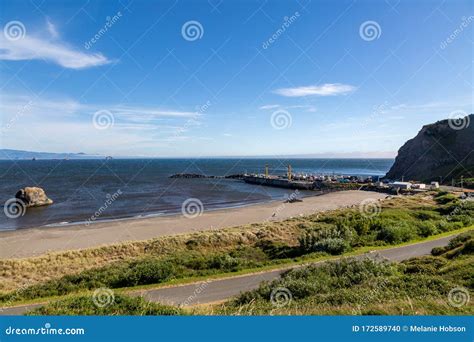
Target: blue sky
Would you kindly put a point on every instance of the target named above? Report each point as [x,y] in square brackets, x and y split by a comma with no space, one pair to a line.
[214,78]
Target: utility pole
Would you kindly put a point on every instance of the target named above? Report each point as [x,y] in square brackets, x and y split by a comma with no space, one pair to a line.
[462,188]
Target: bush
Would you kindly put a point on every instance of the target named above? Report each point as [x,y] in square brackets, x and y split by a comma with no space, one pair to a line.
[447,198]
[312,242]
[334,246]
[121,305]
[425,215]
[426,229]
[396,233]
[145,272]
[447,226]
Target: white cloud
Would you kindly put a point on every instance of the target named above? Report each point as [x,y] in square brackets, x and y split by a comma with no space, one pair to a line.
[150,112]
[269,107]
[45,109]
[55,124]
[36,47]
[328,89]
[306,108]
[52,29]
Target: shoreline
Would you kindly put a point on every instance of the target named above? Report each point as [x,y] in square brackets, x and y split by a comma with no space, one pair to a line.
[37,241]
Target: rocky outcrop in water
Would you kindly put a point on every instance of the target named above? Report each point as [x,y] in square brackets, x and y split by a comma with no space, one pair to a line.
[443,150]
[33,197]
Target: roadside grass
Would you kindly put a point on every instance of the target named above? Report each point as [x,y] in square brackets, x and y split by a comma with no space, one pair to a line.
[416,286]
[120,305]
[284,265]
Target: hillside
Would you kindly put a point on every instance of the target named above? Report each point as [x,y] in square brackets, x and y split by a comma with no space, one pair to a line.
[439,151]
[7,154]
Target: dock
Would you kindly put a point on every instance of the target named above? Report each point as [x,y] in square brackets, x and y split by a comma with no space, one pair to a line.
[279,182]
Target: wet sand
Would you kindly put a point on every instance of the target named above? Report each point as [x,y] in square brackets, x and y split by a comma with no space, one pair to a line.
[36,241]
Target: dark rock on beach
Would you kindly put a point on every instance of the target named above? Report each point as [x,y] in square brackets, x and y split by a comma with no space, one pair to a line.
[33,197]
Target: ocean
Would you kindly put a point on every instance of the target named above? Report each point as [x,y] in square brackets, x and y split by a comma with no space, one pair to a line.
[94,190]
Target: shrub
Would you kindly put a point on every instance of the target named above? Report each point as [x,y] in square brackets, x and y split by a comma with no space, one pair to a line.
[426,229]
[396,233]
[313,243]
[425,215]
[447,198]
[121,305]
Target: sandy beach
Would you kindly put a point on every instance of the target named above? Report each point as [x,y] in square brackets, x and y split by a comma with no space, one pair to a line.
[36,241]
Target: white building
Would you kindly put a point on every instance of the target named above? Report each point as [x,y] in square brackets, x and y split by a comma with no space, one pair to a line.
[400,185]
[418,186]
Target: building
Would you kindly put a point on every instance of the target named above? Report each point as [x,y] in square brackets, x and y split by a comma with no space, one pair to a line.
[434,185]
[400,185]
[418,186]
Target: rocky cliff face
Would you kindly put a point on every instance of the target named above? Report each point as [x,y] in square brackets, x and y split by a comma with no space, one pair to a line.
[443,150]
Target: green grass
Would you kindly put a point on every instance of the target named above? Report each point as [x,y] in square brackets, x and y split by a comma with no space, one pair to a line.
[120,305]
[285,264]
[415,286]
[345,287]
[345,232]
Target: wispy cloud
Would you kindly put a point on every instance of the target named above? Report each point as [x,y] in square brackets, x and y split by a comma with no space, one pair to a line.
[328,89]
[52,29]
[273,106]
[64,123]
[44,109]
[151,112]
[306,108]
[38,47]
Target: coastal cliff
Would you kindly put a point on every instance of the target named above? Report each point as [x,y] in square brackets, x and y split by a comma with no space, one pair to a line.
[441,151]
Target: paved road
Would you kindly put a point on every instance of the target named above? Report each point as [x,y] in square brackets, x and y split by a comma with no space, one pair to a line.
[222,289]
[219,290]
